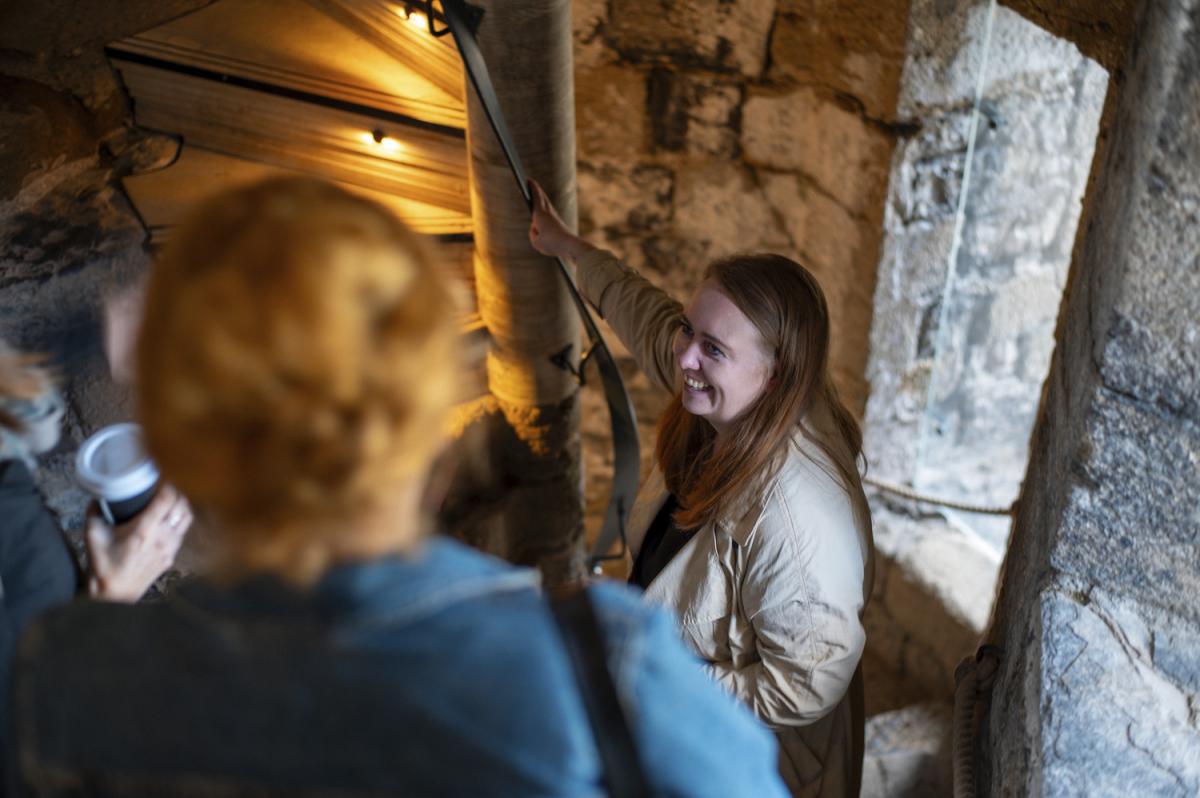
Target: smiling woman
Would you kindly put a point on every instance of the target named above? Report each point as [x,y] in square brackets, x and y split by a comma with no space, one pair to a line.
[754,528]
[720,380]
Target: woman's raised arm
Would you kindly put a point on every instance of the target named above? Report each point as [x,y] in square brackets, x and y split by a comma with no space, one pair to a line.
[643,316]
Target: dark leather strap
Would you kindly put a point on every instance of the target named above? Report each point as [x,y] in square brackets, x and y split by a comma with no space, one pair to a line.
[580,629]
[461,19]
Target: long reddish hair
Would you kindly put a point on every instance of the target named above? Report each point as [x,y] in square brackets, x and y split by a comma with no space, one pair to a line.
[707,475]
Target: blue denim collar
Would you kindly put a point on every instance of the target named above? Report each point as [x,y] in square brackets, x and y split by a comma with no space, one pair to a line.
[389,590]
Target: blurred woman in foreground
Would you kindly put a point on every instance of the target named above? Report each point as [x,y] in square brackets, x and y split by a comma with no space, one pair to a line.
[296,365]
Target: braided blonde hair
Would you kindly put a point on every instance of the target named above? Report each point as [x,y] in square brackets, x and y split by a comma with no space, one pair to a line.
[296,364]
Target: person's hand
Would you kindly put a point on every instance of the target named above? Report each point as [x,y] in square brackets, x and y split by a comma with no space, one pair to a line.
[547,232]
[126,560]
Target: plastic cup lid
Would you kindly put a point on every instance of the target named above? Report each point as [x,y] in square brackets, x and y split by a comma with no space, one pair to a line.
[113,465]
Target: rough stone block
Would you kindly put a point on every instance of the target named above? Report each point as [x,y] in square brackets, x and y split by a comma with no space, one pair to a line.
[39,130]
[589,19]
[617,201]
[908,752]
[721,203]
[712,127]
[1132,520]
[946,46]
[1152,346]
[855,48]
[957,570]
[723,35]
[1115,723]
[1099,616]
[820,229]
[610,111]
[694,114]
[806,132]
[842,250]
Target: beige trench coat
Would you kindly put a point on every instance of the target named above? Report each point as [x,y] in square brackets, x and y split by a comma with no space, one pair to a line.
[772,595]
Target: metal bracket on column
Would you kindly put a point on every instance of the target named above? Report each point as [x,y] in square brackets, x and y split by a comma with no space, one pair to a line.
[461,17]
[562,360]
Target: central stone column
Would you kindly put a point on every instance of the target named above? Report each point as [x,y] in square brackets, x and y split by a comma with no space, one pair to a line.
[533,414]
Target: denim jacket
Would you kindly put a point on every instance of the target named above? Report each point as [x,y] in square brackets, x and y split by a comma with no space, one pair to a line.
[437,674]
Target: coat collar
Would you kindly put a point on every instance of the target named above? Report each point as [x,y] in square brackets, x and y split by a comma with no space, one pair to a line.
[390,589]
[738,522]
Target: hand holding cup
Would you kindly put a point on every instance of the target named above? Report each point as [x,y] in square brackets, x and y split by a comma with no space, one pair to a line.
[126,559]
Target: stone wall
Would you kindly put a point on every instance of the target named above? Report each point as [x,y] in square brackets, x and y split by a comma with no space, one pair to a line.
[963,327]
[707,127]
[67,233]
[1098,614]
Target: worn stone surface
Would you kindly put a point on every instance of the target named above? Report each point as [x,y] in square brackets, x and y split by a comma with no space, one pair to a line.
[850,47]
[946,47]
[805,132]
[611,121]
[934,585]
[993,330]
[625,200]
[694,114]
[61,44]
[1132,517]
[1101,31]
[66,240]
[908,753]
[1098,607]
[589,19]
[961,338]
[721,35]
[40,129]
[1119,687]
[959,350]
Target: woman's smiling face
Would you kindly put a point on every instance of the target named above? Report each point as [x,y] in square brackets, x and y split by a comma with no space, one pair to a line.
[722,357]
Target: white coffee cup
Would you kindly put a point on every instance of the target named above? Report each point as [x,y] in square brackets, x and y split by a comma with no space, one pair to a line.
[112,465]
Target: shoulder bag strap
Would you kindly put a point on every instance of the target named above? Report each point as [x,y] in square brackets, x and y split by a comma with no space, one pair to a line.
[584,642]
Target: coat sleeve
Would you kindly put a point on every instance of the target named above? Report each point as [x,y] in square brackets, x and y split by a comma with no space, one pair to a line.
[643,316]
[803,593]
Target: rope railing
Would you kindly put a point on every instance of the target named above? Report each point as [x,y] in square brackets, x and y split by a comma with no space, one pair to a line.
[924,498]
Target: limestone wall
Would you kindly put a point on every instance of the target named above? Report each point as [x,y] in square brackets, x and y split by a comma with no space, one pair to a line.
[707,127]
[963,328]
[1098,615]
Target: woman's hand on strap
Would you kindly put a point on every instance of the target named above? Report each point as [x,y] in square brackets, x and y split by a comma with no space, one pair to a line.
[548,233]
[125,560]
